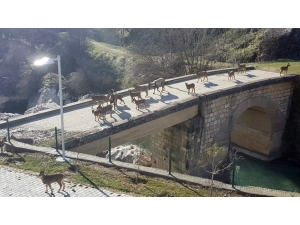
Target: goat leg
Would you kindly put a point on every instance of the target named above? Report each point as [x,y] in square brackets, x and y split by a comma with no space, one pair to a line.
[51,189]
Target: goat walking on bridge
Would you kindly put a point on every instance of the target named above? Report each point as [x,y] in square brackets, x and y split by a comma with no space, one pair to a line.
[160,82]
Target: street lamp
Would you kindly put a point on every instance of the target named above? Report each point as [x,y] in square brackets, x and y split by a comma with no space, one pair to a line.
[45,61]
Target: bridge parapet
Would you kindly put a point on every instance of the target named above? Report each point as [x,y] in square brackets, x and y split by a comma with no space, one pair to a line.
[194,100]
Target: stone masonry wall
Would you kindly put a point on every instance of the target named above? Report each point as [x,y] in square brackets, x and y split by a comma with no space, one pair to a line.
[190,140]
[215,112]
[181,139]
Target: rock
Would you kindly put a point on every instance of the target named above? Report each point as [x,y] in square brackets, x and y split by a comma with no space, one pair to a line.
[131,154]
[47,96]
[102,154]
[3,116]
[84,97]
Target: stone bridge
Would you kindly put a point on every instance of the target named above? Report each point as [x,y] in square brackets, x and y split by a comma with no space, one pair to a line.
[249,113]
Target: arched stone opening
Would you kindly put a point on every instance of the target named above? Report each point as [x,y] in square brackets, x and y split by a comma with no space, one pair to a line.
[252,130]
[268,119]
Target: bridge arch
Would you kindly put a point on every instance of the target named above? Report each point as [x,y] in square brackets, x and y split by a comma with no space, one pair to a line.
[255,125]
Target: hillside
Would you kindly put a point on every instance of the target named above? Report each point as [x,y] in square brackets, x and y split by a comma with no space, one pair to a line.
[139,55]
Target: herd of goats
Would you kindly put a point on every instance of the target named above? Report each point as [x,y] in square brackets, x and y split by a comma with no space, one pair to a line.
[135,94]
[112,97]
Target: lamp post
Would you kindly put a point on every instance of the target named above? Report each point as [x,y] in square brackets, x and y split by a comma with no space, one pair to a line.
[45,61]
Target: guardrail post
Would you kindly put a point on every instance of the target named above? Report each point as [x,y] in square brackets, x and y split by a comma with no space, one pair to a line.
[56,142]
[109,149]
[170,154]
[8,135]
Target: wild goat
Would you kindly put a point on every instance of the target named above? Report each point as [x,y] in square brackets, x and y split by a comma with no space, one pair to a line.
[100,99]
[202,74]
[190,86]
[141,88]
[284,68]
[105,109]
[140,102]
[52,178]
[2,143]
[160,82]
[231,75]
[98,114]
[134,94]
[23,140]
[114,97]
[241,68]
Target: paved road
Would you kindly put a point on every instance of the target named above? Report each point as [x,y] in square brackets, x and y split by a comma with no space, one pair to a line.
[83,119]
[18,184]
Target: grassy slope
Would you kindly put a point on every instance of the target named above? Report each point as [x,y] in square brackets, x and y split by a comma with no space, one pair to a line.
[294,67]
[120,56]
[111,178]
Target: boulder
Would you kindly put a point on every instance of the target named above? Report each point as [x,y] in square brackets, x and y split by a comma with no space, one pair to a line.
[131,154]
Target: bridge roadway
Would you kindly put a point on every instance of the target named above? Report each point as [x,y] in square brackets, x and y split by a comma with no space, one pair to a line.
[82,120]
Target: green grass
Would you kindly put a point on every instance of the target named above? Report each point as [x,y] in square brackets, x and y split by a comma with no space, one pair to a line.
[110,50]
[274,66]
[117,179]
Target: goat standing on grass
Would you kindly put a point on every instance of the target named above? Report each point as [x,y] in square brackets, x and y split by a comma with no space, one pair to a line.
[284,68]
[2,143]
[190,86]
[52,178]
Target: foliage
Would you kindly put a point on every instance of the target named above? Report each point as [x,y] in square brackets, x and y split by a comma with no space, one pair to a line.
[147,53]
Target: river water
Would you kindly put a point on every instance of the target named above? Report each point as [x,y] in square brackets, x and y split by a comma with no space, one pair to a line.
[279,174]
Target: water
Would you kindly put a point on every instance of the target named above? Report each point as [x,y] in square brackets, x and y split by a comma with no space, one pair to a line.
[279,174]
[144,143]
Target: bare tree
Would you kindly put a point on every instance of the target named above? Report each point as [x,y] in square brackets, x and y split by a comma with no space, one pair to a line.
[216,165]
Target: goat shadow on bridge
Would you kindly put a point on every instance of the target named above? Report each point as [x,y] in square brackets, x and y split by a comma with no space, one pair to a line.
[210,84]
[250,75]
[165,98]
[238,82]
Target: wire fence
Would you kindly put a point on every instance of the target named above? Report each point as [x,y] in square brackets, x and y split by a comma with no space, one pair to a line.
[245,170]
